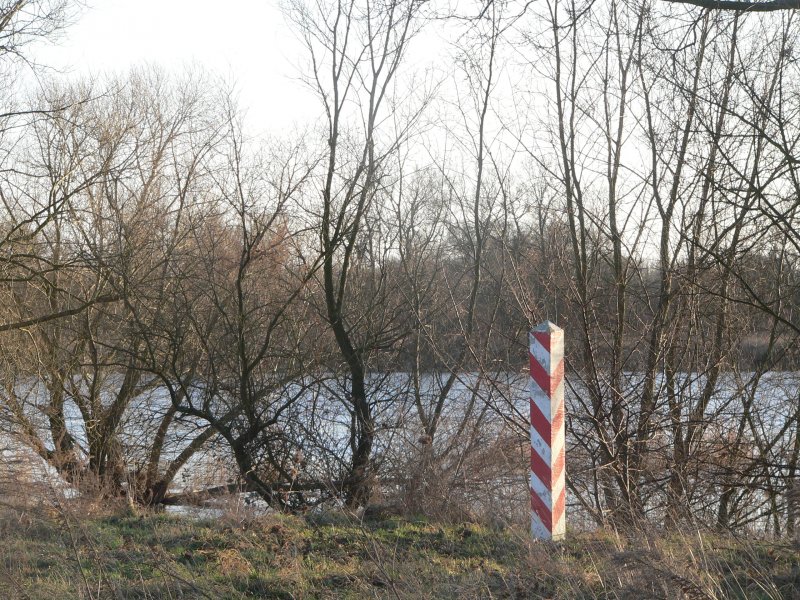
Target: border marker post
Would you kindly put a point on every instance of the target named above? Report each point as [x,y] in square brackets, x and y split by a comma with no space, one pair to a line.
[547,479]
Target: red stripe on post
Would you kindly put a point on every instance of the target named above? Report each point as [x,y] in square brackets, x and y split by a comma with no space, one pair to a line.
[558,465]
[540,423]
[558,509]
[540,376]
[541,469]
[556,377]
[542,511]
[543,338]
[558,423]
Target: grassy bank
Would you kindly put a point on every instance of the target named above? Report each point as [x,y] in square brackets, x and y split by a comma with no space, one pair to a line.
[73,551]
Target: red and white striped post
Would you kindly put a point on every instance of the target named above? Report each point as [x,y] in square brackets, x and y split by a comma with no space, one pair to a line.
[548,482]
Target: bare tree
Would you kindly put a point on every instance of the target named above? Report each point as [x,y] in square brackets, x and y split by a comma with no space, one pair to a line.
[230,347]
[122,169]
[356,50]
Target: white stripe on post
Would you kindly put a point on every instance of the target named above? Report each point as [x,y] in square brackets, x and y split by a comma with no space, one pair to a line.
[548,482]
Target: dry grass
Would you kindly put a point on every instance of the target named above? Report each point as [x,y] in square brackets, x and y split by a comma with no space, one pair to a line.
[66,549]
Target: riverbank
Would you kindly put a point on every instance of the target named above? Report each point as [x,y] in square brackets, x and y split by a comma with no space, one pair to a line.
[79,550]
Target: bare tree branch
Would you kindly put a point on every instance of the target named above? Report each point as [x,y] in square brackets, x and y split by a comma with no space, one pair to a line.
[738,5]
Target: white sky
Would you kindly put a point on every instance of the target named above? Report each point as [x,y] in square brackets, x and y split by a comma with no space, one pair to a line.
[245,41]
[248,42]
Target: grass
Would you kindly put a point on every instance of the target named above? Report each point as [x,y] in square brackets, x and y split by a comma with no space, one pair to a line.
[74,551]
